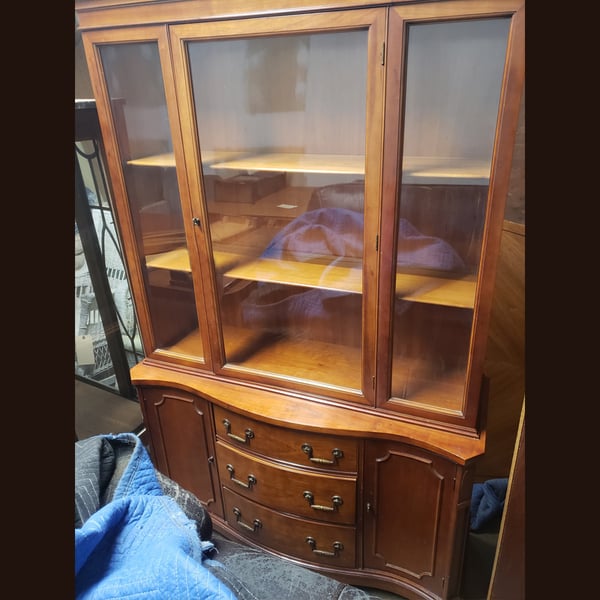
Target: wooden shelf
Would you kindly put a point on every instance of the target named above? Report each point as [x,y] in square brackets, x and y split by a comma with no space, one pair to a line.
[189,345]
[298,163]
[311,361]
[174,260]
[459,293]
[414,386]
[416,169]
[179,260]
[443,170]
[167,159]
[282,357]
[345,275]
[300,359]
[347,278]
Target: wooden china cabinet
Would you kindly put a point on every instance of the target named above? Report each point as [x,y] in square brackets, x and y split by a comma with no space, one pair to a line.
[310,197]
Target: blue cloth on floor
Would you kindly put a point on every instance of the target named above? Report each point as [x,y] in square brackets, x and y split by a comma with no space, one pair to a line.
[135,541]
[487,504]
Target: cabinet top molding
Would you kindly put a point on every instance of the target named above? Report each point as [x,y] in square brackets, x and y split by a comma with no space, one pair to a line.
[97,14]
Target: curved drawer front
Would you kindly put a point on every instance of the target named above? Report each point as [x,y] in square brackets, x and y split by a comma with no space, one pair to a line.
[306,449]
[320,543]
[304,493]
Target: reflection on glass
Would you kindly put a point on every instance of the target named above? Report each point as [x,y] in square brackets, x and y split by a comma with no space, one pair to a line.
[139,109]
[282,141]
[453,79]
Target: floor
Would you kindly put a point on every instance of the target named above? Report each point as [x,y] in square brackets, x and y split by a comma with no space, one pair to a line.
[98,411]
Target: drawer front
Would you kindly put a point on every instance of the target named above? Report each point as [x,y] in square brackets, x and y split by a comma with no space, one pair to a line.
[306,449]
[330,498]
[321,543]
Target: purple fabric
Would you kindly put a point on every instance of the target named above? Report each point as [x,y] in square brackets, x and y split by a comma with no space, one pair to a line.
[339,232]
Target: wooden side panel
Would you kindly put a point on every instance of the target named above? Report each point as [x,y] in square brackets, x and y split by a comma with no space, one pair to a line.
[505,358]
[508,574]
[182,441]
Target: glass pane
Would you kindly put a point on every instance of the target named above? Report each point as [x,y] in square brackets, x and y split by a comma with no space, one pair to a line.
[139,108]
[98,358]
[282,142]
[453,79]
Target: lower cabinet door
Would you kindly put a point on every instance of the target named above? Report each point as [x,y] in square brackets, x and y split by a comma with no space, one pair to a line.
[301,538]
[411,509]
[180,429]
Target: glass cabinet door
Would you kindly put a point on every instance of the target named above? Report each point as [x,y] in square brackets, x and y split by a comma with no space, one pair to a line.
[449,99]
[282,128]
[136,91]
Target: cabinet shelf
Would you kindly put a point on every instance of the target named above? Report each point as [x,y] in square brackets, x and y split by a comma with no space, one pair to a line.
[179,260]
[298,163]
[173,260]
[445,171]
[287,357]
[301,359]
[416,169]
[344,276]
[167,159]
[459,293]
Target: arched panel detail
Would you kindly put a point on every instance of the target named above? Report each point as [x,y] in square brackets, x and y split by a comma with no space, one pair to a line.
[407,528]
[182,437]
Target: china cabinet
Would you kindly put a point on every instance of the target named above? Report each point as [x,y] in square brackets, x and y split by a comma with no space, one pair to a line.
[311,197]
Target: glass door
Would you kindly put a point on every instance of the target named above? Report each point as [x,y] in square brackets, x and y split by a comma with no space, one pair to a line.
[449,98]
[285,110]
[151,193]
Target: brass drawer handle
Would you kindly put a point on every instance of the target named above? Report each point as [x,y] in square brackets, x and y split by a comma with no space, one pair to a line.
[337,547]
[336,452]
[337,501]
[251,479]
[256,524]
[244,440]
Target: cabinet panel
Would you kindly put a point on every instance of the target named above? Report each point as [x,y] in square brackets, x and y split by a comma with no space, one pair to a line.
[410,496]
[180,428]
[304,493]
[323,543]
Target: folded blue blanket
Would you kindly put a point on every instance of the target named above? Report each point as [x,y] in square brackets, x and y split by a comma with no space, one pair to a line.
[487,504]
[131,540]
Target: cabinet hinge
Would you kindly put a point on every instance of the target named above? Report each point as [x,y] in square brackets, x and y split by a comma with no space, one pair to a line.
[376,243]
[383,53]
[373,381]
[443,582]
[454,483]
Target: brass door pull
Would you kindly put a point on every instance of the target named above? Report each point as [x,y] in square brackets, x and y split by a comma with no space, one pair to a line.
[336,500]
[251,478]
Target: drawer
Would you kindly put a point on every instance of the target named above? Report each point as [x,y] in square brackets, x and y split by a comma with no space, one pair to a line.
[305,493]
[321,543]
[306,449]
